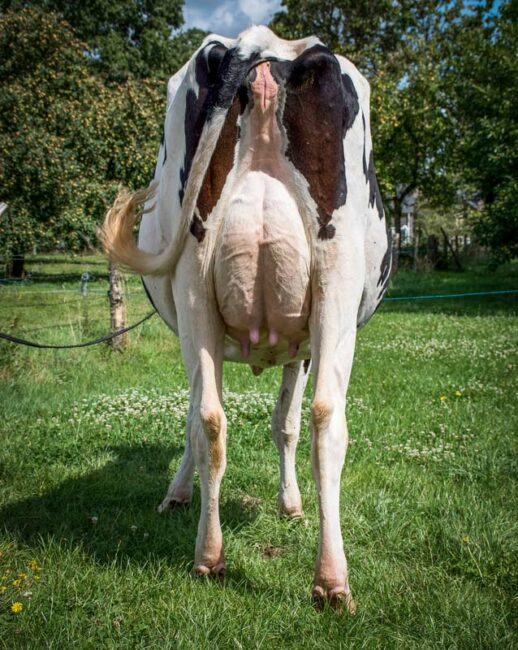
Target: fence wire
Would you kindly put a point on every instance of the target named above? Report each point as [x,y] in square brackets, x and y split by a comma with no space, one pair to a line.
[20,289]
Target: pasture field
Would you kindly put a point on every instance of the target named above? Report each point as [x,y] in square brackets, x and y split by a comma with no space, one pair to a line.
[89,440]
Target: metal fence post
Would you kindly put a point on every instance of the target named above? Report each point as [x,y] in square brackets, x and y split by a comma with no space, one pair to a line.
[83,289]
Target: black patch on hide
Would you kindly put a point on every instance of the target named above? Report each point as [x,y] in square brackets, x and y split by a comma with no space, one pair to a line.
[365,168]
[385,268]
[162,142]
[197,228]
[315,118]
[231,75]
[352,105]
[197,106]
[374,193]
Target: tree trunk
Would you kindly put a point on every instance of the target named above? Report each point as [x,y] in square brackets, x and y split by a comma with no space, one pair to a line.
[117,309]
[432,251]
[398,212]
[417,241]
[16,267]
[454,254]
[395,243]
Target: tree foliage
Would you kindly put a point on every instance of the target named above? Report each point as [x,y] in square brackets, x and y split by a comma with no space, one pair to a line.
[377,34]
[123,36]
[483,76]
[77,118]
[66,137]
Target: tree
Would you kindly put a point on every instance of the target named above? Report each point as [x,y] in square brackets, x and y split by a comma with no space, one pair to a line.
[483,75]
[77,118]
[42,68]
[415,132]
[124,37]
[66,138]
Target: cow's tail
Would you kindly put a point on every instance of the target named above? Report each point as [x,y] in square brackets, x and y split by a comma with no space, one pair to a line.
[117,238]
[116,233]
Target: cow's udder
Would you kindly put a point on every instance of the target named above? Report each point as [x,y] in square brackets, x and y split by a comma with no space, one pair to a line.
[262,270]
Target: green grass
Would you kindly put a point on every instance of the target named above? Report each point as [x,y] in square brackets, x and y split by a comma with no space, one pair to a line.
[90,439]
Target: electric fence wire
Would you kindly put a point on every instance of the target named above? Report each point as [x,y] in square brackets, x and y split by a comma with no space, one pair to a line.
[21,341]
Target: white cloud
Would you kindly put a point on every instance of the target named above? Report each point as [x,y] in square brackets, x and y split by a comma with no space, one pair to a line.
[195,18]
[224,15]
[229,17]
[259,11]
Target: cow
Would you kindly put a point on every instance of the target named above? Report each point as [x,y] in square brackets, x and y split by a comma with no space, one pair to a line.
[263,241]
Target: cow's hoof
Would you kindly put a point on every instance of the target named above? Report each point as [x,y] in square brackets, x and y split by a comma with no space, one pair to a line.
[171,503]
[337,598]
[292,512]
[218,570]
[290,505]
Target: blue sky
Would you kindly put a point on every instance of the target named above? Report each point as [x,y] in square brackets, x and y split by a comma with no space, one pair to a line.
[228,17]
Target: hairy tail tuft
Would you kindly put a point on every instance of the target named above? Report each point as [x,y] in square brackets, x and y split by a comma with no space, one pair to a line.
[117,238]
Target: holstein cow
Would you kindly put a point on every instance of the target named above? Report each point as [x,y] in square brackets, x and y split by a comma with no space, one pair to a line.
[263,241]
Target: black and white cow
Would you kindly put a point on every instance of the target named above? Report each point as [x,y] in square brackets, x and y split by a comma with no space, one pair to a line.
[263,242]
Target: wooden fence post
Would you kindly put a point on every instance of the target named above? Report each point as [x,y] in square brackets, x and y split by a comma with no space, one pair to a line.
[117,308]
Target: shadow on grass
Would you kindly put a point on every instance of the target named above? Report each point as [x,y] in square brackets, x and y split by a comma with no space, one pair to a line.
[111,513]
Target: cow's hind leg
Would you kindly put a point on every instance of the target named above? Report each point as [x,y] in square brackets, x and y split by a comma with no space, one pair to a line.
[208,440]
[328,448]
[202,350]
[333,337]
[180,488]
[285,431]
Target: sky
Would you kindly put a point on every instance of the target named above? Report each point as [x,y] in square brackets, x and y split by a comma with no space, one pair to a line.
[228,17]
